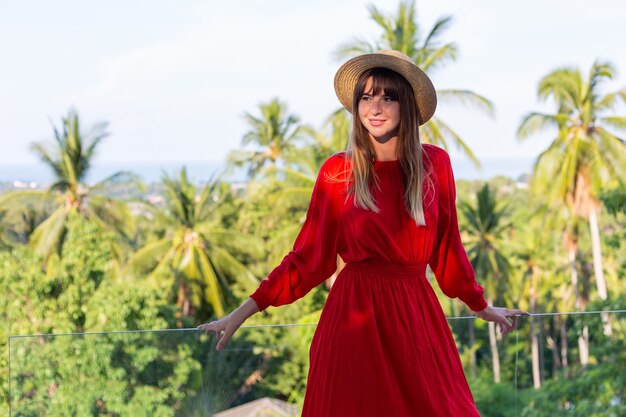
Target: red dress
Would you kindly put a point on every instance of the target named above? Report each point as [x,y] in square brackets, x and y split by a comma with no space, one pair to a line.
[382,346]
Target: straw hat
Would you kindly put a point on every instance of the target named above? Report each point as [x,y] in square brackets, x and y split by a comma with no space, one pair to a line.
[423,90]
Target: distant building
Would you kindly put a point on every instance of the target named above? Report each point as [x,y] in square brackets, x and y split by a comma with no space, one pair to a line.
[264,407]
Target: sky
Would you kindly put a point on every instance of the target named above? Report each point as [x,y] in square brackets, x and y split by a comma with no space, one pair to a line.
[174,78]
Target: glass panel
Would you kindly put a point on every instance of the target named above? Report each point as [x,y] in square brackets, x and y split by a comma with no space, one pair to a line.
[179,372]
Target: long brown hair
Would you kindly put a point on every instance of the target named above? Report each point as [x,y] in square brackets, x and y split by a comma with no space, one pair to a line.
[361,152]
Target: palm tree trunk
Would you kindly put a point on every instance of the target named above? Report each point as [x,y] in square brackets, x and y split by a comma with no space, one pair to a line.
[183,303]
[564,360]
[493,343]
[534,348]
[597,265]
[574,274]
[542,353]
[534,337]
[553,345]
[583,338]
[495,356]
[583,346]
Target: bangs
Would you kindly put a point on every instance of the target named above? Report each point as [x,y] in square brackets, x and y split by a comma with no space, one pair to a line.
[383,81]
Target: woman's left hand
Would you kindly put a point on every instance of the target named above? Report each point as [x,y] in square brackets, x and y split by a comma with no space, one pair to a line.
[504,317]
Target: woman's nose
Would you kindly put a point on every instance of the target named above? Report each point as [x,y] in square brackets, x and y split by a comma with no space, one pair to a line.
[375,107]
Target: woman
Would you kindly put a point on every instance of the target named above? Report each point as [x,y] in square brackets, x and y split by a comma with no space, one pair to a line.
[387,207]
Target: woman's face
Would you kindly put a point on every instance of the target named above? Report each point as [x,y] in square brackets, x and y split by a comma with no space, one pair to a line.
[380,114]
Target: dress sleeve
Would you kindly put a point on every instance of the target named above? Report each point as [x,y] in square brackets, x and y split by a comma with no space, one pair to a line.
[449,262]
[314,255]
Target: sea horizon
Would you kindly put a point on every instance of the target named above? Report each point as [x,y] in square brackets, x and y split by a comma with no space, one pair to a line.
[201,171]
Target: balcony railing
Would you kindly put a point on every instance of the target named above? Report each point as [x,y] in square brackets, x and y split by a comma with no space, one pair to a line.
[179,372]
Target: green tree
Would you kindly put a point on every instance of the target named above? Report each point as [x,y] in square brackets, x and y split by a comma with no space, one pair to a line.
[273,134]
[70,158]
[486,233]
[194,246]
[404,33]
[584,156]
[75,373]
[531,266]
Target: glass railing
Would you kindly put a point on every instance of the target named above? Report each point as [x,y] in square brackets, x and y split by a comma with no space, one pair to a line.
[179,372]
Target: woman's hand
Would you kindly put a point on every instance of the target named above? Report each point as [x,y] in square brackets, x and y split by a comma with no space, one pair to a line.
[504,317]
[225,327]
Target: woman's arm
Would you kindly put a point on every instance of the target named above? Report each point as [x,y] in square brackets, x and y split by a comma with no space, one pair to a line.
[312,260]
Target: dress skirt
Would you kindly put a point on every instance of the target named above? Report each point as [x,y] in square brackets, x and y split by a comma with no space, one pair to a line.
[383,347]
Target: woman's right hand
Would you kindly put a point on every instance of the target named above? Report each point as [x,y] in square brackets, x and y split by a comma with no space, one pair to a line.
[225,327]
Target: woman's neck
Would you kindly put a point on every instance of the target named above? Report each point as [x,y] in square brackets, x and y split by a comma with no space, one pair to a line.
[385,151]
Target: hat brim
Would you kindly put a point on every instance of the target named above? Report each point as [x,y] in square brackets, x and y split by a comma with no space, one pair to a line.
[423,90]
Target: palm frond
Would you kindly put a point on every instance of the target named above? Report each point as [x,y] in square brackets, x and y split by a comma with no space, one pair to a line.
[383,21]
[23,197]
[48,236]
[213,292]
[226,262]
[230,239]
[616,122]
[609,100]
[358,46]
[611,156]
[565,85]
[441,25]
[440,133]
[120,177]
[46,157]
[466,97]
[439,57]
[113,214]
[536,122]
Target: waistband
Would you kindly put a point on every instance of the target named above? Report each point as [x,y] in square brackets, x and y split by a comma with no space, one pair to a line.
[390,269]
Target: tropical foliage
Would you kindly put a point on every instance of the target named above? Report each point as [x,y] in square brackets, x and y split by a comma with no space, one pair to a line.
[194,247]
[272,135]
[88,326]
[69,158]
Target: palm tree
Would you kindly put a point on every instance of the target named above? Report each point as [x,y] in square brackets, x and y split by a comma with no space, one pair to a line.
[274,134]
[584,155]
[403,33]
[486,228]
[532,252]
[70,160]
[195,247]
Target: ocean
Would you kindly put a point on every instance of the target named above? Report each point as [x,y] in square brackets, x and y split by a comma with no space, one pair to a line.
[512,167]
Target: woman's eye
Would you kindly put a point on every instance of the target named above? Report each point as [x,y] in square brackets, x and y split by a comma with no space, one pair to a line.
[366,98]
[388,99]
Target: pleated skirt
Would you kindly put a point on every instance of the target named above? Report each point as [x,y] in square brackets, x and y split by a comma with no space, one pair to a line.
[383,347]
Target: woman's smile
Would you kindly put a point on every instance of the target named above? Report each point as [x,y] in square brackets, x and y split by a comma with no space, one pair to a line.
[376,122]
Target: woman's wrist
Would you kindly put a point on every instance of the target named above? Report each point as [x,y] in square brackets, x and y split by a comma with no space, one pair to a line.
[480,313]
[245,310]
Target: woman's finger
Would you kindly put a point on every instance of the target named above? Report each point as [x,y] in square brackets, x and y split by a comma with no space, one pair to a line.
[506,325]
[209,327]
[518,312]
[223,340]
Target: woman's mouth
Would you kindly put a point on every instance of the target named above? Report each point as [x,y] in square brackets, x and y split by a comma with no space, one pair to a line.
[376,122]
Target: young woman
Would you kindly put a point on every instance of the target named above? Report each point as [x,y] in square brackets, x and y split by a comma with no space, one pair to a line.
[387,207]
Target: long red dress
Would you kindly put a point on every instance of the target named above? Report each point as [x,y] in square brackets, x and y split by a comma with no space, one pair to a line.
[382,346]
